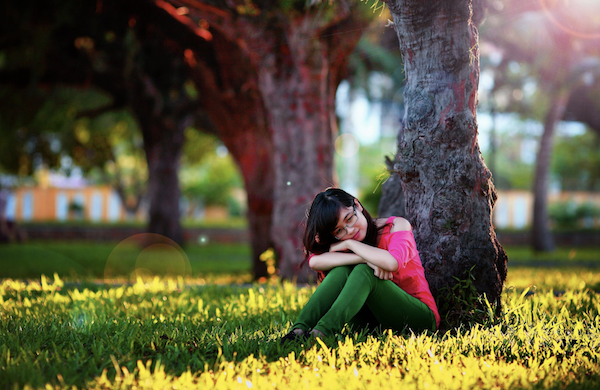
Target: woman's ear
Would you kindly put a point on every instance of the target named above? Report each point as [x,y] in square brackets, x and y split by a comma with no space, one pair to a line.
[358,205]
[317,239]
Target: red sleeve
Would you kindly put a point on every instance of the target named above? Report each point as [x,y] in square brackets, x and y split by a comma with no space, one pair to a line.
[403,247]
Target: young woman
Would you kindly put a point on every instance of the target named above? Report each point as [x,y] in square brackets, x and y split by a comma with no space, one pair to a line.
[373,273]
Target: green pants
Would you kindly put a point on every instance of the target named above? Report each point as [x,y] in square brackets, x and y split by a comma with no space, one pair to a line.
[354,295]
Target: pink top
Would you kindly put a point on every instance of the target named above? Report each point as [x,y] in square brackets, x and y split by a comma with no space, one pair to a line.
[410,275]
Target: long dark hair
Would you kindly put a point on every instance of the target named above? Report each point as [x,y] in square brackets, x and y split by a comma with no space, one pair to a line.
[323,217]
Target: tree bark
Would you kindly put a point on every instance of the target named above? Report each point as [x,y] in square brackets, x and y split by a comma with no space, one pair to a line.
[303,132]
[542,239]
[448,189]
[254,155]
[163,143]
[309,66]
[392,196]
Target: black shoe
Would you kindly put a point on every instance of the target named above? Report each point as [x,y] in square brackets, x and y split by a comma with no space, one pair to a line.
[293,337]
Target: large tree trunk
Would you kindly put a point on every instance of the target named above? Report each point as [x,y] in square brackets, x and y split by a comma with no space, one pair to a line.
[308,66]
[542,239]
[302,133]
[227,90]
[448,189]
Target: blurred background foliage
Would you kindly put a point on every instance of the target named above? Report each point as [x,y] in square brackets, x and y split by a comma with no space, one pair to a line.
[63,129]
[208,173]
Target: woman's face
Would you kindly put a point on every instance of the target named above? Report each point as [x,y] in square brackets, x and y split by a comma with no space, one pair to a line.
[351,216]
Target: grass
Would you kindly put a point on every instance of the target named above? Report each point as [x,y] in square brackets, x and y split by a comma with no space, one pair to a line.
[159,334]
[91,260]
[562,257]
[186,333]
[230,222]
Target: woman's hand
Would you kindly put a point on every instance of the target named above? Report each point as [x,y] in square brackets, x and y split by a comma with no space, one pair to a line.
[381,273]
[341,246]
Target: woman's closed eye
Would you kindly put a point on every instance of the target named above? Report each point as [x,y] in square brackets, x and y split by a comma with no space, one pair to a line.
[352,220]
[349,222]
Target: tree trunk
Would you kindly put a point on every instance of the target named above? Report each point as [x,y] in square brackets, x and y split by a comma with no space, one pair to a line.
[309,68]
[155,76]
[542,239]
[163,146]
[302,135]
[253,152]
[448,189]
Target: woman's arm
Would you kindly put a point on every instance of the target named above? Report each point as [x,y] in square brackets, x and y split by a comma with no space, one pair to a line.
[378,257]
[370,254]
[329,260]
[350,252]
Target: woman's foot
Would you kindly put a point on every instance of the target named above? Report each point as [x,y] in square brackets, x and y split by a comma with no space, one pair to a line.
[294,335]
[317,333]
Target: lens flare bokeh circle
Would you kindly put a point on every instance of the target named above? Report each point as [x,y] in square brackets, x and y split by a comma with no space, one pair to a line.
[347,145]
[578,18]
[145,256]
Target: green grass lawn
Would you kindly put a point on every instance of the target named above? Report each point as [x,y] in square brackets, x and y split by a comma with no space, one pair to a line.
[90,260]
[561,257]
[231,222]
[174,333]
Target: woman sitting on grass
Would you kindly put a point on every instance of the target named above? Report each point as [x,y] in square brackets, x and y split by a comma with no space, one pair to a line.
[374,276]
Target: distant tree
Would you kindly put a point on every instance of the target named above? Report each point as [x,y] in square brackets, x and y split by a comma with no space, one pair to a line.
[558,42]
[448,190]
[109,150]
[584,102]
[33,125]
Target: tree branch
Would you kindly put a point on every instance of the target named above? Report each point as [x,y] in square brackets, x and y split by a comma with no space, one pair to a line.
[171,10]
[205,7]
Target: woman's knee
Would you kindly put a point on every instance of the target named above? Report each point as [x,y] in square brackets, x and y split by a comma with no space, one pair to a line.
[363,271]
[342,270]
[363,268]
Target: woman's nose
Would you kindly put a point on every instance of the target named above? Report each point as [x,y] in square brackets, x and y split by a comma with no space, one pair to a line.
[350,231]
